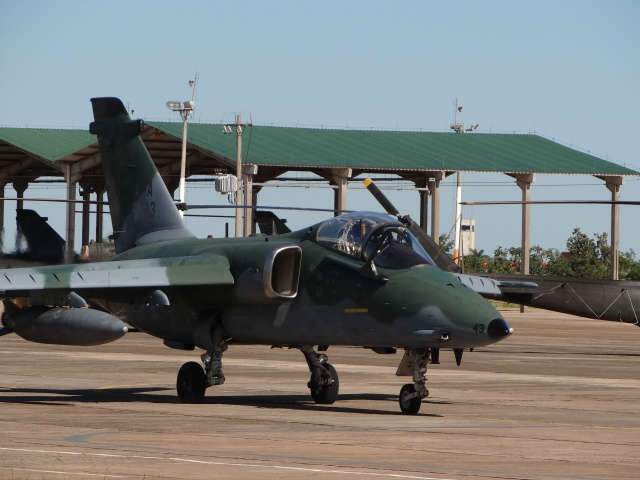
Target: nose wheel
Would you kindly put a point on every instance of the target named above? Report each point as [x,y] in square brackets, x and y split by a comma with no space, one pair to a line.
[325,392]
[409,399]
[324,383]
[411,394]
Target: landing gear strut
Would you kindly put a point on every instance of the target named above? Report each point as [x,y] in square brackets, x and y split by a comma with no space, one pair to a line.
[411,394]
[324,383]
[193,379]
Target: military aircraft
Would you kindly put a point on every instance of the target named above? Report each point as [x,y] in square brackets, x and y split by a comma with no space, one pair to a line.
[359,279]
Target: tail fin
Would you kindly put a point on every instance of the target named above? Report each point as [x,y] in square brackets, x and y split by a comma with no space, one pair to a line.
[142,211]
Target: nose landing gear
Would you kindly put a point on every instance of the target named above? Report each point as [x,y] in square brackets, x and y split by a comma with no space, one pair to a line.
[324,383]
[411,394]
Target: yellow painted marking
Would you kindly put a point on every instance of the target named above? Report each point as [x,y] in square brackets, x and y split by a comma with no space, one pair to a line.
[356,310]
[367,182]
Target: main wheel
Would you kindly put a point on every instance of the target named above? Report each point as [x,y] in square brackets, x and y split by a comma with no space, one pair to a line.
[191,383]
[409,401]
[326,394]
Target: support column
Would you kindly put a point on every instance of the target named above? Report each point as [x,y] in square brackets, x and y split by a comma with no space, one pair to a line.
[2,185]
[614,184]
[248,172]
[422,184]
[20,189]
[434,191]
[524,182]
[340,177]
[20,186]
[254,201]
[70,231]
[99,214]
[86,198]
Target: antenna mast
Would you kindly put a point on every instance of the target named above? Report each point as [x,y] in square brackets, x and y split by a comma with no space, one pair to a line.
[458,128]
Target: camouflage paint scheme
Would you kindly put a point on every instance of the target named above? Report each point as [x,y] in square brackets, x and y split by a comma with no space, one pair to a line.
[220,281]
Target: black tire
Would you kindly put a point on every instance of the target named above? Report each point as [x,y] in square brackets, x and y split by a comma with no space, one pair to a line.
[409,406]
[326,394]
[191,383]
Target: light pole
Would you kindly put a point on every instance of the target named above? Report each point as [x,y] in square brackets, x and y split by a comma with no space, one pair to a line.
[185,109]
[238,128]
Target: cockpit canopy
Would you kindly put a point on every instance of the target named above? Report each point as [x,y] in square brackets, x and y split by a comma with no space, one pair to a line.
[373,236]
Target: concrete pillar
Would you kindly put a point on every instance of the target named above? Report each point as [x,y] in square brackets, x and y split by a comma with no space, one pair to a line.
[614,184]
[2,185]
[254,201]
[524,182]
[20,189]
[248,172]
[86,198]
[424,210]
[99,214]
[20,186]
[422,184]
[434,191]
[70,230]
[340,177]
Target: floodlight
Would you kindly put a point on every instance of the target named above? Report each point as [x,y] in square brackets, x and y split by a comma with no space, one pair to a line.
[188,105]
[174,105]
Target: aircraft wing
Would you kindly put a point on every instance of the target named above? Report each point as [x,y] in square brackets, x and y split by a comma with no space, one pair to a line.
[496,288]
[154,273]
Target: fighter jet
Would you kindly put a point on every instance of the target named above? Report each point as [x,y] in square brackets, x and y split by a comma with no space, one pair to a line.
[360,279]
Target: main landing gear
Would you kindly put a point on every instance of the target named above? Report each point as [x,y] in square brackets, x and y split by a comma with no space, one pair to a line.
[324,383]
[411,394]
[193,379]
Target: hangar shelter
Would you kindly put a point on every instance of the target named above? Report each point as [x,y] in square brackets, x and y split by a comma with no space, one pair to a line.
[424,158]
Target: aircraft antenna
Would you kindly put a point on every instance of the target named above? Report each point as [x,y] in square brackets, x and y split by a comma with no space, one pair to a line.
[194,84]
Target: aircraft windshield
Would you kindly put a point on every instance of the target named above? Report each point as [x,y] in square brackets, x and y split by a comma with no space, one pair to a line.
[373,235]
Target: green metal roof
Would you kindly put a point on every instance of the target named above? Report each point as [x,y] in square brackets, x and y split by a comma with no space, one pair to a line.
[396,150]
[47,143]
[365,150]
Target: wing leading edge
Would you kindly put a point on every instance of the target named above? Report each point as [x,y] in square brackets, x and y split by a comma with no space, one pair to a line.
[158,272]
[494,288]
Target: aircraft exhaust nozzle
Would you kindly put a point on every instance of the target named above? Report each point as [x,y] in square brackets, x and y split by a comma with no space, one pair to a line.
[65,326]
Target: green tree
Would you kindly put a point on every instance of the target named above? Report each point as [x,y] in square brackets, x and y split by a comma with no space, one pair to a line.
[476,262]
[588,257]
[445,243]
[502,262]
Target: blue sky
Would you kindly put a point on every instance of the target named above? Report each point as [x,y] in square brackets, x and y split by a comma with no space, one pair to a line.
[567,70]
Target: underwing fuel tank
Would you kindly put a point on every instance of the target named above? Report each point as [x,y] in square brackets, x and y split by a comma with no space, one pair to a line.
[65,326]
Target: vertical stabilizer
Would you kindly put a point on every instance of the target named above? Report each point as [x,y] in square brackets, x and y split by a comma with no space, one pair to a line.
[142,210]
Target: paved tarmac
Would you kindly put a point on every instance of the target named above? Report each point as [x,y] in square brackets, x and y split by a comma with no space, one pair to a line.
[559,399]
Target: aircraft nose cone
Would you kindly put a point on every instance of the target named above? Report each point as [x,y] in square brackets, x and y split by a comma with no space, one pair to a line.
[498,328]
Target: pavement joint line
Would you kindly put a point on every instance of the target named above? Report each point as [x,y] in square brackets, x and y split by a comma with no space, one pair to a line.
[229,464]
[58,472]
